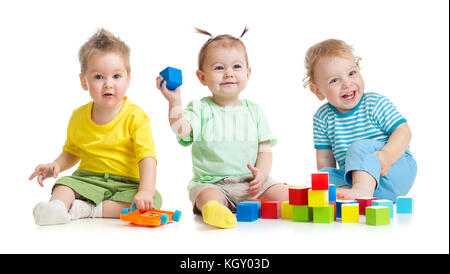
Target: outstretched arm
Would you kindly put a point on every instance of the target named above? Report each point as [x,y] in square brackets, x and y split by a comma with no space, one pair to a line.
[180,126]
[64,161]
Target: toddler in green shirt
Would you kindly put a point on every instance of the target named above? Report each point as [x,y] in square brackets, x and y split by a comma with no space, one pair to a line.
[230,137]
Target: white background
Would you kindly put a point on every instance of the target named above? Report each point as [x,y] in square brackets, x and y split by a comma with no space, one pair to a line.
[404,46]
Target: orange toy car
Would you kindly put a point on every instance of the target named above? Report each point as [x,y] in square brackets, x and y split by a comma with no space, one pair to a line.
[152,217]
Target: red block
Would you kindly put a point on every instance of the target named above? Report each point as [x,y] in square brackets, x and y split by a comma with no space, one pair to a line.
[363,203]
[319,181]
[298,195]
[270,209]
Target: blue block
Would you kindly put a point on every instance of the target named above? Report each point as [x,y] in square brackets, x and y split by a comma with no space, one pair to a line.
[404,204]
[331,193]
[247,211]
[339,204]
[173,77]
[387,203]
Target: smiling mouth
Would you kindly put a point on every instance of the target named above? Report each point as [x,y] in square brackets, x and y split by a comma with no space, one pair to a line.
[349,95]
[227,83]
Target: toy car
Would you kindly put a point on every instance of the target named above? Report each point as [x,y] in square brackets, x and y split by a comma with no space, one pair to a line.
[154,217]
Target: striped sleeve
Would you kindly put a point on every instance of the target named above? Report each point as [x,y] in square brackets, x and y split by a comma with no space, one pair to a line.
[321,140]
[386,115]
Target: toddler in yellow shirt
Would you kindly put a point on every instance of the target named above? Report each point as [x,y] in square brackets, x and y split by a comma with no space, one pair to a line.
[112,138]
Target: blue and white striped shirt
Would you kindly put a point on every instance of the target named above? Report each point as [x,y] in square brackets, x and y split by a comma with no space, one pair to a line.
[375,118]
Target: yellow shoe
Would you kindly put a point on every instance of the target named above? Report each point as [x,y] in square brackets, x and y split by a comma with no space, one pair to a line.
[216,214]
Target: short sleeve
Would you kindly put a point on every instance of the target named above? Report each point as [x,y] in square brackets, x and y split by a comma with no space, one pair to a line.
[142,137]
[69,145]
[264,132]
[321,140]
[386,116]
[192,114]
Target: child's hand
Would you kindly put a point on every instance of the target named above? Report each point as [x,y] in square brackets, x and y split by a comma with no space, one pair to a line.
[258,180]
[173,96]
[385,162]
[45,171]
[143,200]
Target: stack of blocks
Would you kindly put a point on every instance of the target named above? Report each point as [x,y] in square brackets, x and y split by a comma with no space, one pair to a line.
[318,204]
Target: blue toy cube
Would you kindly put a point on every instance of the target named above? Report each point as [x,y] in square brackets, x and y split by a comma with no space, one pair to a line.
[247,211]
[339,206]
[173,77]
[331,193]
[404,204]
[387,203]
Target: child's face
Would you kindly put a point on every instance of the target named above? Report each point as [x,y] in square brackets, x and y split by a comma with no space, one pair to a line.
[225,72]
[107,79]
[339,81]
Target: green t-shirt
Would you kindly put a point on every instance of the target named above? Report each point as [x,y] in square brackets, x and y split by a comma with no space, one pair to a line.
[224,140]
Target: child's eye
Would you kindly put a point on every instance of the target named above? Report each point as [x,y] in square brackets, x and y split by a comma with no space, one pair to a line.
[353,73]
[334,80]
[117,76]
[218,68]
[237,66]
[98,76]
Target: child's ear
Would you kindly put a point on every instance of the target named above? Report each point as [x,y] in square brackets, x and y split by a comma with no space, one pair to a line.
[315,89]
[83,82]
[201,77]
[249,72]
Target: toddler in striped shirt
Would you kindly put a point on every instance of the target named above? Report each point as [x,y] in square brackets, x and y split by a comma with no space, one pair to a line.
[363,132]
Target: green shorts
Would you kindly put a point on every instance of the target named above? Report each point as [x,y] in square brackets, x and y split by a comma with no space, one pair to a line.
[99,187]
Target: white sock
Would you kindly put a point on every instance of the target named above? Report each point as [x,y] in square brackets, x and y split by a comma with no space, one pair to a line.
[51,213]
[85,209]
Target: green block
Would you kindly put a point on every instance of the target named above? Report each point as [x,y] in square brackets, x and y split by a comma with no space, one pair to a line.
[302,213]
[377,215]
[323,215]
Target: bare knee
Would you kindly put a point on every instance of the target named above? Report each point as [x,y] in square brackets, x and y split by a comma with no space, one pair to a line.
[278,192]
[209,194]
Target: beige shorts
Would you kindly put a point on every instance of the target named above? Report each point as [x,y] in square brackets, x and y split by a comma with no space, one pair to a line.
[235,190]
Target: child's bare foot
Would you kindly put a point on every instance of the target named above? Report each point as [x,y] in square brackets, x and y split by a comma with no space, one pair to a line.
[347,193]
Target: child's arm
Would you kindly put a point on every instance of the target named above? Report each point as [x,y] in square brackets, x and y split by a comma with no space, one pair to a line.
[147,184]
[263,167]
[325,158]
[180,126]
[64,161]
[396,145]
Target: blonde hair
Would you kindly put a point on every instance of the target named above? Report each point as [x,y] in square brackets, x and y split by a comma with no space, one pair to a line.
[327,48]
[225,40]
[101,42]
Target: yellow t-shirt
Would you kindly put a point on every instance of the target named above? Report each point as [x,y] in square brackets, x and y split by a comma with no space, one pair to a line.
[116,147]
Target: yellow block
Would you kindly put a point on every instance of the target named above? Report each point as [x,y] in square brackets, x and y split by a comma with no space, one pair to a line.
[350,213]
[286,210]
[317,198]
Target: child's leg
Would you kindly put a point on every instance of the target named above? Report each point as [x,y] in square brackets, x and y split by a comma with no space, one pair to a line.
[213,205]
[56,210]
[113,209]
[278,192]
[362,169]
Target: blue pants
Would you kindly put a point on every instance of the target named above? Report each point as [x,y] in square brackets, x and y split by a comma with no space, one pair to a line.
[397,182]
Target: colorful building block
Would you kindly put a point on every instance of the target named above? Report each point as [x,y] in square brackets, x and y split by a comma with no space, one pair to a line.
[350,213]
[298,195]
[173,77]
[302,213]
[286,210]
[377,215]
[247,211]
[319,181]
[334,206]
[387,203]
[324,215]
[405,204]
[271,210]
[317,198]
[363,203]
[339,204]
[331,193]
